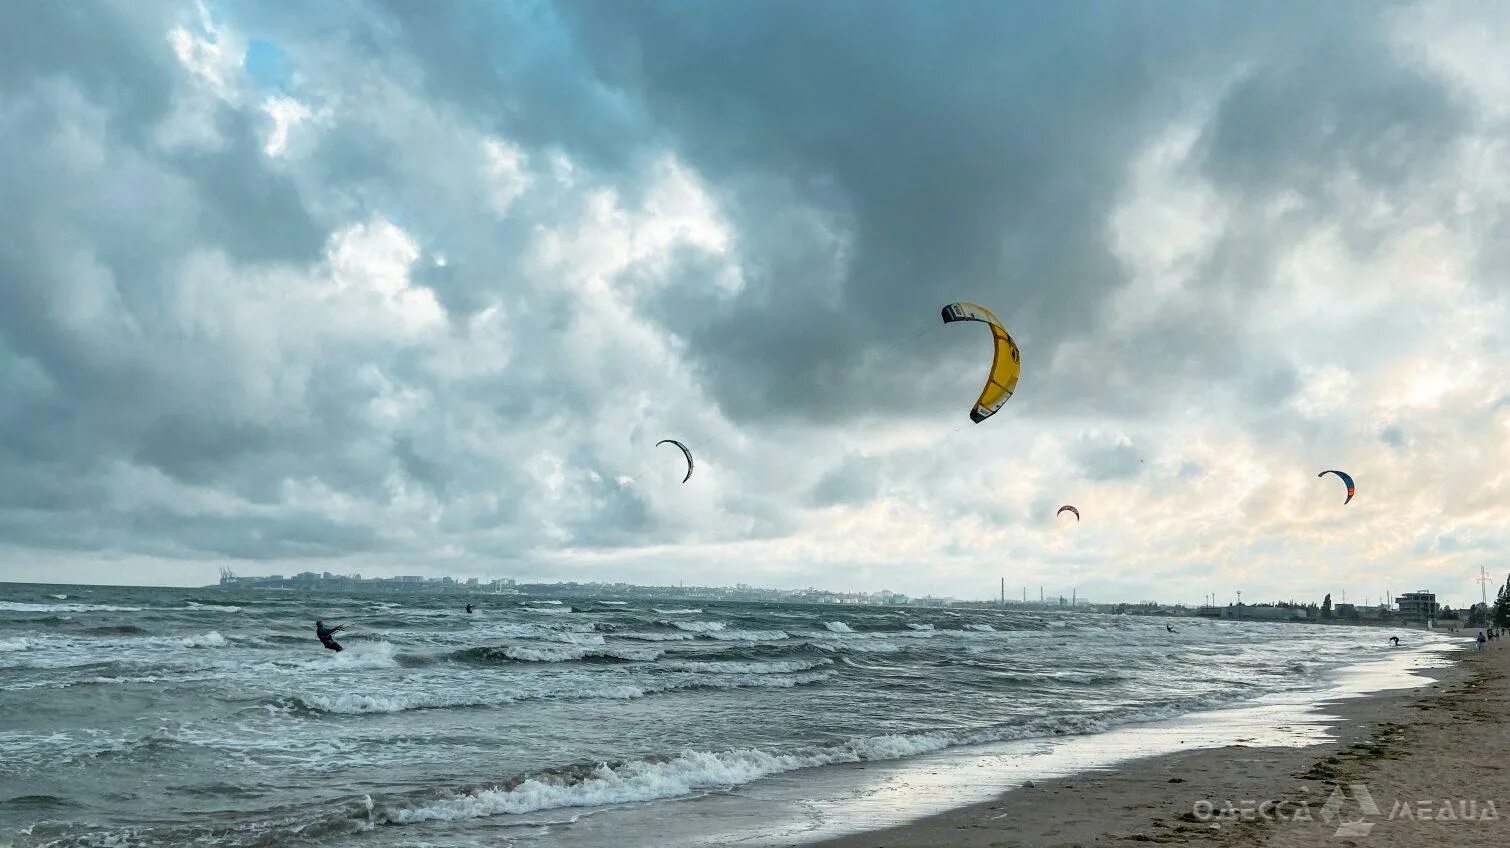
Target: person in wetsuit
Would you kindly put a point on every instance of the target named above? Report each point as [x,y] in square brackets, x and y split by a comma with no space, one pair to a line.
[469,608]
[327,635]
[1395,640]
[1169,628]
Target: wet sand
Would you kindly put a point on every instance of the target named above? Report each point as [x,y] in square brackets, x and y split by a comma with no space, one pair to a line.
[1433,761]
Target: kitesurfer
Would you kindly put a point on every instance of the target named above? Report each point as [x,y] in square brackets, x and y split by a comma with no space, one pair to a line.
[687,452]
[1395,640]
[469,608]
[1169,628]
[1346,479]
[327,635]
[1006,361]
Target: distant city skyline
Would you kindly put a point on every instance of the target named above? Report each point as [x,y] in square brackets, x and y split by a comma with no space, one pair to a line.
[1024,595]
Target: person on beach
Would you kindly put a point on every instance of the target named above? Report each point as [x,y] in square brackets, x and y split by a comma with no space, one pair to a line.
[1481,640]
[327,634]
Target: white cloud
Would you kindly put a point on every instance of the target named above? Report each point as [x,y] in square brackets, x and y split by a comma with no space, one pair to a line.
[451,325]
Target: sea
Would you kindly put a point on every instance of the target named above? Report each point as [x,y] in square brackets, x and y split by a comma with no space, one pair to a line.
[170,716]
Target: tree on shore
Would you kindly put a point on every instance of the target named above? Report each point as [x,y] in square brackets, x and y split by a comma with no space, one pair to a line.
[1326,606]
[1502,605]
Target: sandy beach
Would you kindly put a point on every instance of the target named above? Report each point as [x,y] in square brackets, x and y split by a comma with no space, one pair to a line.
[1424,766]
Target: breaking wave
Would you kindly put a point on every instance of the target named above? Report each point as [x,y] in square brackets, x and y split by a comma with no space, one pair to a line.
[352,703]
[14,606]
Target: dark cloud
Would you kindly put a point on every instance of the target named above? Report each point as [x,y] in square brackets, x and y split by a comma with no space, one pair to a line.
[211,351]
[854,481]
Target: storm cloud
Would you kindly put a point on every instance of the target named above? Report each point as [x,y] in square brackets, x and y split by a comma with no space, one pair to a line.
[392,287]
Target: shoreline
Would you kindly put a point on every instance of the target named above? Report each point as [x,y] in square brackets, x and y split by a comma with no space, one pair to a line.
[976,795]
[1414,750]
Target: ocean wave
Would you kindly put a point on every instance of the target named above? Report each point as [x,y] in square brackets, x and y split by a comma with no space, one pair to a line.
[696,626]
[921,627]
[556,653]
[981,628]
[20,643]
[349,703]
[686,773]
[547,610]
[357,655]
[207,640]
[193,606]
[116,630]
[868,647]
[838,627]
[654,636]
[571,637]
[691,772]
[748,635]
[677,611]
[355,703]
[14,606]
[744,666]
[568,653]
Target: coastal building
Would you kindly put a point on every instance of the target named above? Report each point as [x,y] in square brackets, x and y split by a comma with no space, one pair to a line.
[1264,612]
[1419,605]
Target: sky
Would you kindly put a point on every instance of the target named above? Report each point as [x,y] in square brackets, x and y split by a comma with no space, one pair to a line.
[416,288]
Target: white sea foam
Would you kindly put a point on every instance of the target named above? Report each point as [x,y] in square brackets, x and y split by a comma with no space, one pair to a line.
[684,774]
[357,703]
[545,653]
[983,628]
[838,627]
[748,635]
[59,597]
[697,626]
[872,646]
[744,666]
[567,653]
[20,643]
[653,636]
[210,607]
[548,610]
[691,772]
[571,637]
[349,703]
[677,611]
[206,640]
[13,606]
[928,628]
[359,655]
